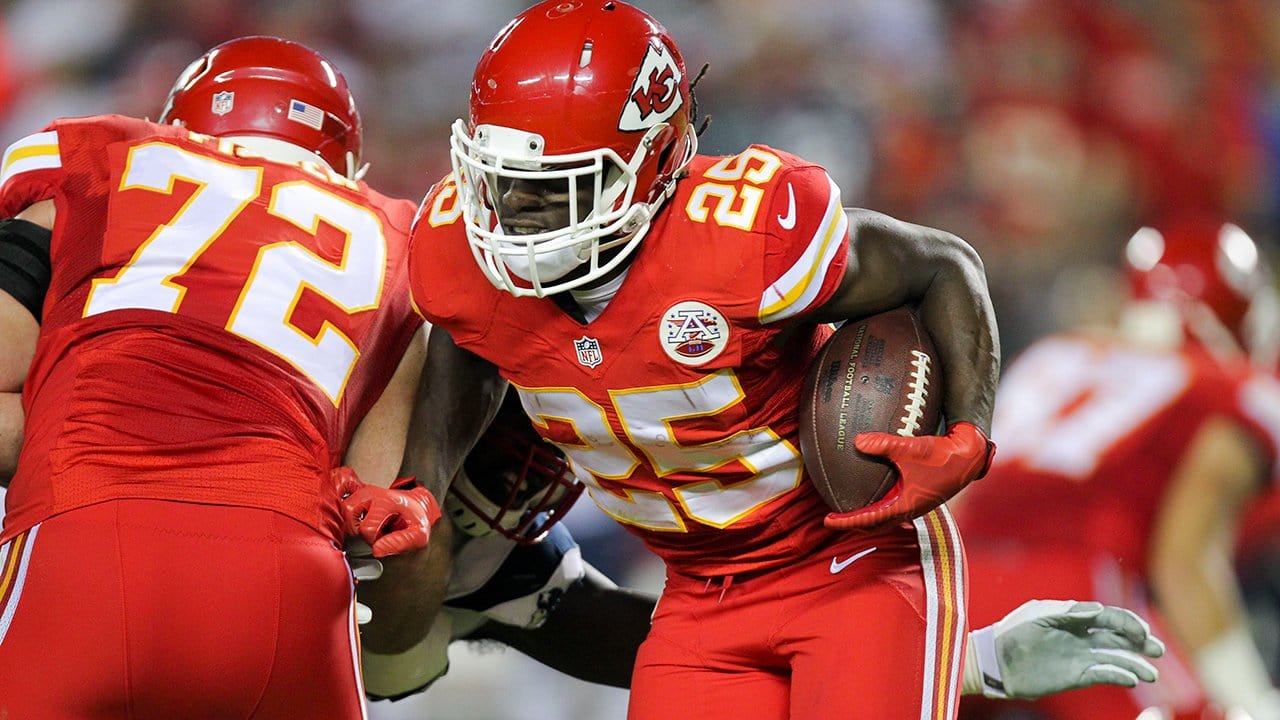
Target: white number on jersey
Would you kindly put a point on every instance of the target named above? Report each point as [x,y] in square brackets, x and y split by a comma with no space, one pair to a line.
[647,415]
[1064,404]
[280,273]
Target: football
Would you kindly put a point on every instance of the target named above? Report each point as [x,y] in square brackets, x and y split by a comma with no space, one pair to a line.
[879,373]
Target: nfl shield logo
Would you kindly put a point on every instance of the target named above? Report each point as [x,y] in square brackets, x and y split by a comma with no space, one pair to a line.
[223,102]
[588,351]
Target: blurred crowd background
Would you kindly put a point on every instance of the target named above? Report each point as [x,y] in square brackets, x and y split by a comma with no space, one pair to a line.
[1044,132]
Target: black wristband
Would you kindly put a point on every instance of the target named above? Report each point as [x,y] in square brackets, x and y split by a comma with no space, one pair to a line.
[25,266]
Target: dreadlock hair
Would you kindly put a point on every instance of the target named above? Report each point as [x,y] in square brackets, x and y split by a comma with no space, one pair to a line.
[693,102]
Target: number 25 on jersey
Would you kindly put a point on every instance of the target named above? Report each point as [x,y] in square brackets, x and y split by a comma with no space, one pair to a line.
[280,272]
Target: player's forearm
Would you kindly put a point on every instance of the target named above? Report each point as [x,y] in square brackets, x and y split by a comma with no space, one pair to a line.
[956,310]
[408,596]
[458,395]
[894,263]
[1198,597]
[593,634]
[11,425]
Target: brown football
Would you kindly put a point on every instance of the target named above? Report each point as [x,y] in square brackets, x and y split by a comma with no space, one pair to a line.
[878,373]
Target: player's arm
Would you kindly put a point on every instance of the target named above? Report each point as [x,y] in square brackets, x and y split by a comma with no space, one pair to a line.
[1190,565]
[593,634]
[458,395]
[406,603]
[893,263]
[24,279]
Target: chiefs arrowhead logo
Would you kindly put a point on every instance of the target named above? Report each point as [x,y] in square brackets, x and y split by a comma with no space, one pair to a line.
[655,94]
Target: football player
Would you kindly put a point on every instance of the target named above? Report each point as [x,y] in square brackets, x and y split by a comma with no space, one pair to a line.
[657,311]
[519,579]
[1126,458]
[212,302]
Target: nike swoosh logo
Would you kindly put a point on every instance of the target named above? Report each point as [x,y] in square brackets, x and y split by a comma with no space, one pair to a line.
[837,564]
[788,221]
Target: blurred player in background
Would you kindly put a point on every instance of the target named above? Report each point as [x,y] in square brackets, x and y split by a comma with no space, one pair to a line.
[657,311]
[1126,459]
[209,318]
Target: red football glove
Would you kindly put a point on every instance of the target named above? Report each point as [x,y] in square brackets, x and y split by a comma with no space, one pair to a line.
[931,469]
[392,520]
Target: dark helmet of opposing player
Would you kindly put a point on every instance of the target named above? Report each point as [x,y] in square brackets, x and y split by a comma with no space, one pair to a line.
[589,94]
[268,88]
[514,482]
[1216,279]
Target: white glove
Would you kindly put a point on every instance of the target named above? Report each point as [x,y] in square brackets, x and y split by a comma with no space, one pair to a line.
[1048,646]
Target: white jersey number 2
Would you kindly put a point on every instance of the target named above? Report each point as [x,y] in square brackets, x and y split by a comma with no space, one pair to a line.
[280,272]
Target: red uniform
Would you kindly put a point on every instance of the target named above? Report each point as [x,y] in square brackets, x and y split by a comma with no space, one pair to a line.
[215,327]
[1090,431]
[678,408]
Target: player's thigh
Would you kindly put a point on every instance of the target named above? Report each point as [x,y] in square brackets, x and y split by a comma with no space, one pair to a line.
[234,612]
[316,672]
[901,661]
[882,636]
[672,681]
[61,638]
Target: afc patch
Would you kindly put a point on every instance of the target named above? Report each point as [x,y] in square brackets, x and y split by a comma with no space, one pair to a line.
[223,102]
[588,350]
[693,333]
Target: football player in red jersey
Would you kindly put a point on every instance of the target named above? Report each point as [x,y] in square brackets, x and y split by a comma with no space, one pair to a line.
[657,310]
[1126,458]
[519,579]
[213,302]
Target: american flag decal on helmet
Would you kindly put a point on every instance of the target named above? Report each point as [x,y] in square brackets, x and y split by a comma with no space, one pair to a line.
[306,114]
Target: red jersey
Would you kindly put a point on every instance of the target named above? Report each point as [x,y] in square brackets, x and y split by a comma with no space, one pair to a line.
[1090,431]
[678,405]
[215,326]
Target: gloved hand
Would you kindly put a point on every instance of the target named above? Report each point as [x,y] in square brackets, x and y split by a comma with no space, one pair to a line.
[931,469]
[392,520]
[1048,646]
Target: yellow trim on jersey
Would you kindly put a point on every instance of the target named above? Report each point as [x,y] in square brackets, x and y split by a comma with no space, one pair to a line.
[791,293]
[33,152]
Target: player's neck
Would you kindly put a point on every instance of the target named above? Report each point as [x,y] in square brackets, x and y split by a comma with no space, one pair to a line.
[590,301]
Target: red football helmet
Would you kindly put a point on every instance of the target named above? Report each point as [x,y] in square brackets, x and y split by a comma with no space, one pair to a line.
[588,93]
[1213,274]
[266,87]
[514,482]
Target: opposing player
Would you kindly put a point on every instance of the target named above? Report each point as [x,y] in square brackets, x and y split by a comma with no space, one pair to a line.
[213,314]
[520,579]
[656,311]
[1126,458]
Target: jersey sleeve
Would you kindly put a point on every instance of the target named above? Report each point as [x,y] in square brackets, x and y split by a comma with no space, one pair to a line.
[29,171]
[808,246]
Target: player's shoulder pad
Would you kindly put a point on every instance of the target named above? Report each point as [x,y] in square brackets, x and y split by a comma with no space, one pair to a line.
[806,235]
[530,582]
[440,207]
[445,279]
